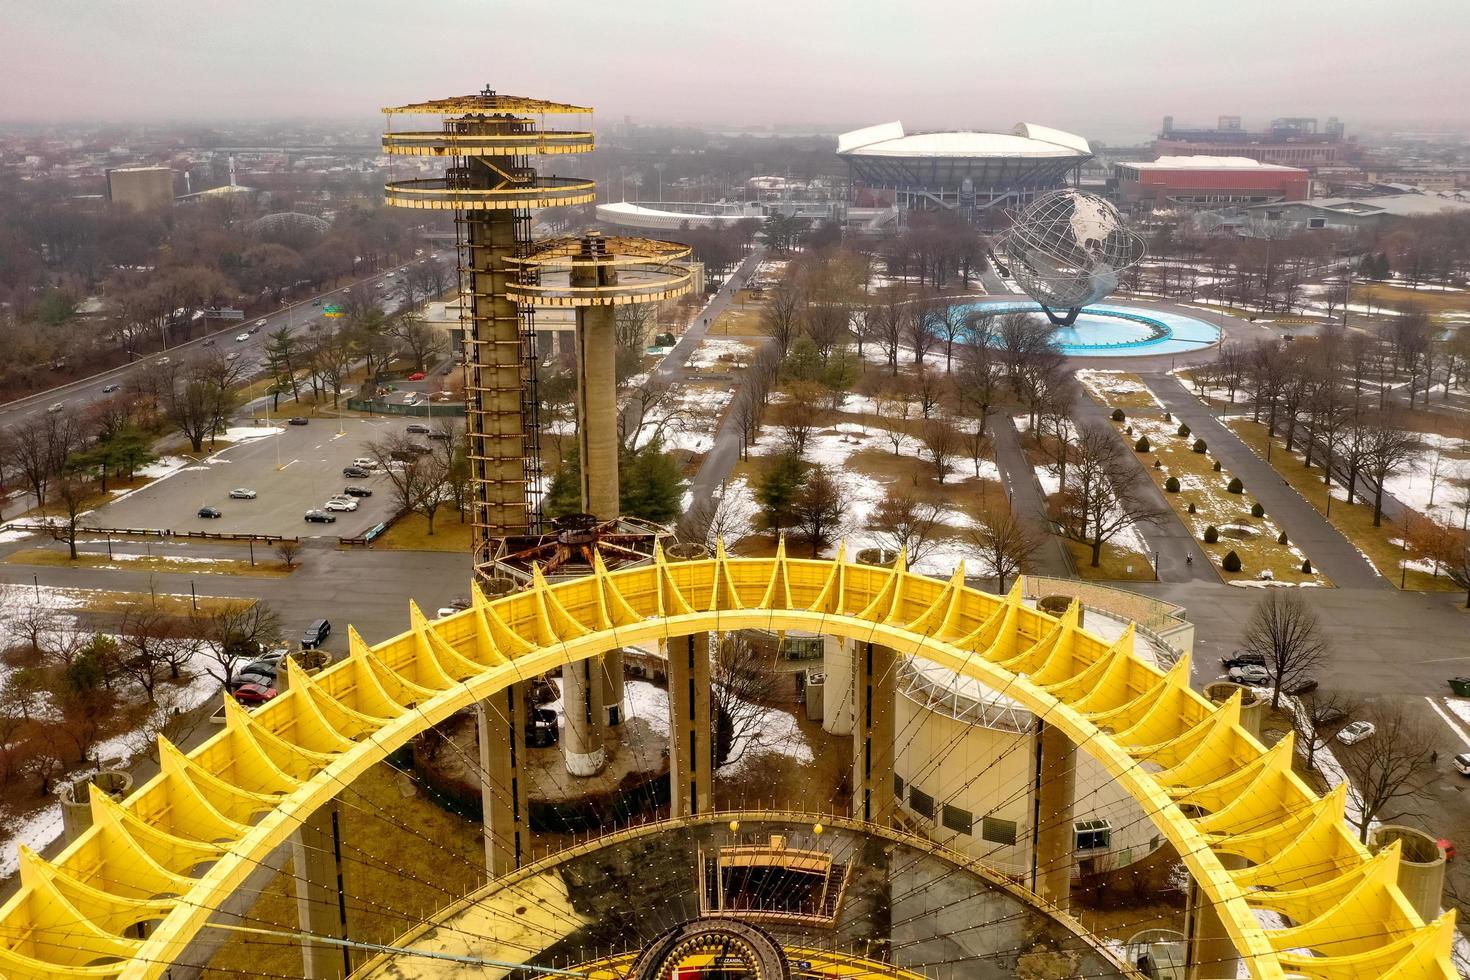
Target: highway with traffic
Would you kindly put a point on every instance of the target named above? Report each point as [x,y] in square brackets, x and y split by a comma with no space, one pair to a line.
[299,317]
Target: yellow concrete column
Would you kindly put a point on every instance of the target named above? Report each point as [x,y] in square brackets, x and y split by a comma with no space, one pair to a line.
[501,730]
[597,402]
[874,688]
[1054,797]
[690,725]
[1209,952]
[321,909]
[837,654]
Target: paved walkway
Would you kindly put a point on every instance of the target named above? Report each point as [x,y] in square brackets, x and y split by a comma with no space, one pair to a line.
[1330,552]
[1170,540]
[1025,495]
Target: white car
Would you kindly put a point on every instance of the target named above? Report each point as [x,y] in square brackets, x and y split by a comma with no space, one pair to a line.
[1461,763]
[366,462]
[55,407]
[340,503]
[260,322]
[240,338]
[1356,732]
[1250,675]
[232,355]
[242,493]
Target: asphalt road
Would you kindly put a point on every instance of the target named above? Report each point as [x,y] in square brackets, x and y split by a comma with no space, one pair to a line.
[299,317]
[291,472]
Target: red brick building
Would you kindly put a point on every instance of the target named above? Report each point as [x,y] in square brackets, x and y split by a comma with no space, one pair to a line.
[1206,182]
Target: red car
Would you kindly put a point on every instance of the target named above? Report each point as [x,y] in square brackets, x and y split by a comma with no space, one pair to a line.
[416,376]
[253,695]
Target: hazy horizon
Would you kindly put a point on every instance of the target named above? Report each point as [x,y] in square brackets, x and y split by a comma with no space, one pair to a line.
[821,66]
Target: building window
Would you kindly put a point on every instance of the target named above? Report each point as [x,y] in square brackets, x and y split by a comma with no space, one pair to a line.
[1273,215]
[921,802]
[802,648]
[1317,223]
[898,786]
[998,831]
[1093,835]
[956,819]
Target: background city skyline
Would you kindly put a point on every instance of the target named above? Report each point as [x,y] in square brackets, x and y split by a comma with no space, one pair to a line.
[821,65]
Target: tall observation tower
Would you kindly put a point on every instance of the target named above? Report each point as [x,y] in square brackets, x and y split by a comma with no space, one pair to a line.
[488,142]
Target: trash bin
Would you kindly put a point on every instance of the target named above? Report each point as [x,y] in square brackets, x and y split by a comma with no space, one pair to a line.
[1461,686]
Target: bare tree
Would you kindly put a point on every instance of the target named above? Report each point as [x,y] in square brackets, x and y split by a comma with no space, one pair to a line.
[782,316]
[419,477]
[153,646]
[1388,447]
[906,521]
[234,632]
[1320,716]
[289,552]
[708,519]
[820,508]
[1393,764]
[421,342]
[1006,542]
[38,448]
[1283,629]
[73,494]
[742,684]
[800,414]
[895,409]
[1104,496]
[942,442]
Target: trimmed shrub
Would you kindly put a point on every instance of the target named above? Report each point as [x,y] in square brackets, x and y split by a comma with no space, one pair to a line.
[1231,562]
[1199,446]
[1183,430]
[1141,446]
[1212,534]
[1234,486]
[1158,463]
[1306,566]
[1257,510]
[1217,466]
[1168,417]
[1281,538]
[1118,415]
[1191,506]
[1172,485]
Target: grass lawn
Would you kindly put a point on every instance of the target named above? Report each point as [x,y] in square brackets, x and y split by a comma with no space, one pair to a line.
[1253,539]
[402,857]
[412,534]
[102,601]
[151,563]
[1115,563]
[1355,521]
[1432,301]
[739,321]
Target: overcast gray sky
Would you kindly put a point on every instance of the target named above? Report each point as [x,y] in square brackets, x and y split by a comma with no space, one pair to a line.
[1100,66]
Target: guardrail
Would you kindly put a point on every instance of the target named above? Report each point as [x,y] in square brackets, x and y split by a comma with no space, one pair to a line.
[52,527]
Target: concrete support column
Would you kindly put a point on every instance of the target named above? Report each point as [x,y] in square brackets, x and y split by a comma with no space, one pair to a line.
[1210,954]
[1054,796]
[837,685]
[321,900]
[500,724]
[597,404]
[874,688]
[581,737]
[690,726]
[611,667]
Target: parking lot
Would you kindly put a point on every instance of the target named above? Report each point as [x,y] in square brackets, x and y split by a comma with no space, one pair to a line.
[292,471]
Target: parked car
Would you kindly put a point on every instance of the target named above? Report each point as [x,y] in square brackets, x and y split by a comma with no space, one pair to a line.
[315,634]
[317,301]
[240,338]
[232,355]
[268,662]
[1332,716]
[365,462]
[210,512]
[260,322]
[441,436]
[1461,763]
[256,328]
[55,407]
[355,472]
[162,361]
[320,517]
[1304,686]
[109,389]
[299,420]
[416,376]
[1250,674]
[207,342]
[540,728]
[242,493]
[416,428]
[1356,732]
[253,695]
[265,677]
[355,491]
[1243,658]
[340,503]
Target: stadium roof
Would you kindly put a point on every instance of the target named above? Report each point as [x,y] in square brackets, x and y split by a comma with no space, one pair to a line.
[1025,140]
[1209,163]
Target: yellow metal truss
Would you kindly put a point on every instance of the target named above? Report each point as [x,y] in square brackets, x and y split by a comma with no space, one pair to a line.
[180,845]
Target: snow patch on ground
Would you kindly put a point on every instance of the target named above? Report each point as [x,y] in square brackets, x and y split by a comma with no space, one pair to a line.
[720,352]
[1108,386]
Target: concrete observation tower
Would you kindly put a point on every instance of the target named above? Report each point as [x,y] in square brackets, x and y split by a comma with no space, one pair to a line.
[489,141]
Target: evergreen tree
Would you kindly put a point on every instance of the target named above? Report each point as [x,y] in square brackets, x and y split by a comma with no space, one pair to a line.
[777,492]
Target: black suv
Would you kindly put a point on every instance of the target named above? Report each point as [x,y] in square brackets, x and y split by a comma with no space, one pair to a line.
[316,632]
[357,491]
[1243,658]
[417,428]
[355,472]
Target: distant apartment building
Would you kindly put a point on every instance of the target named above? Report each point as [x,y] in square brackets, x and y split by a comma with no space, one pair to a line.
[141,188]
[1209,182]
[1290,142]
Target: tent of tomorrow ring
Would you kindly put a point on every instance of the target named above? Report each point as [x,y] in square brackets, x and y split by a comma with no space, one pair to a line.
[1296,895]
